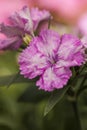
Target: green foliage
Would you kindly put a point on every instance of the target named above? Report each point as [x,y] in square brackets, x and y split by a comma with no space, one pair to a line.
[22,105]
[12,79]
[33,95]
[54,99]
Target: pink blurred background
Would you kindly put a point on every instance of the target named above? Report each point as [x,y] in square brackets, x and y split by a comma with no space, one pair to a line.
[66,10]
[7,7]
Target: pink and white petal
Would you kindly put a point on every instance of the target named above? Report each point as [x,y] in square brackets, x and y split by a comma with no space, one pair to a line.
[54,79]
[10,43]
[64,63]
[76,60]
[23,19]
[10,31]
[16,21]
[48,42]
[27,53]
[62,71]
[69,46]
[32,63]
[25,15]
[38,16]
[30,71]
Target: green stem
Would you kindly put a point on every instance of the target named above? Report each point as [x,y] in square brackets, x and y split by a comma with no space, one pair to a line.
[81,90]
[49,23]
[75,108]
[83,81]
[82,87]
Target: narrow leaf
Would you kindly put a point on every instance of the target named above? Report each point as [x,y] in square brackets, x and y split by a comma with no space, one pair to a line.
[54,99]
[13,79]
[33,95]
[8,80]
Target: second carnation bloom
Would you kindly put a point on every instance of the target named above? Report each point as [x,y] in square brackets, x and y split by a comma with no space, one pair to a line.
[51,57]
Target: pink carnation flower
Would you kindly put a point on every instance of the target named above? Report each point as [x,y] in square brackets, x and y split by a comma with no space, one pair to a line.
[50,57]
[29,19]
[23,22]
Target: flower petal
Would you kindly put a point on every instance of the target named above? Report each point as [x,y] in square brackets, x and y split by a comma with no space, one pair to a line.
[54,78]
[23,19]
[10,43]
[10,31]
[38,16]
[32,63]
[71,52]
[48,42]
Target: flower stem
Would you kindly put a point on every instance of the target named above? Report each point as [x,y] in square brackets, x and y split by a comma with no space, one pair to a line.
[49,23]
[75,108]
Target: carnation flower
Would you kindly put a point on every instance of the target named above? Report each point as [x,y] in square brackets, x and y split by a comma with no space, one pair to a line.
[23,22]
[29,19]
[50,57]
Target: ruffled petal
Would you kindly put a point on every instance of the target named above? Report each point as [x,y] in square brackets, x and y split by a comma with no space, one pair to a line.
[11,31]
[28,20]
[47,43]
[23,20]
[38,16]
[71,52]
[54,78]
[32,63]
[10,43]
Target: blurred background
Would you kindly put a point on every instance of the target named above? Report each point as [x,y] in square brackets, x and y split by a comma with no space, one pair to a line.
[64,10]
[22,104]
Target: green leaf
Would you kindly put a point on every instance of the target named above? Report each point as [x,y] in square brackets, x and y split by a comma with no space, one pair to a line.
[54,99]
[16,78]
[13,79]
[6,121]
[33,94]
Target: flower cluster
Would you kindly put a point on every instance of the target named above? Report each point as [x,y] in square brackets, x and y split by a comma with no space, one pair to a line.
[49,55]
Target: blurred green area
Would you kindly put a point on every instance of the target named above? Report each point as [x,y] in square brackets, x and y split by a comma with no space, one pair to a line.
[22,105]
